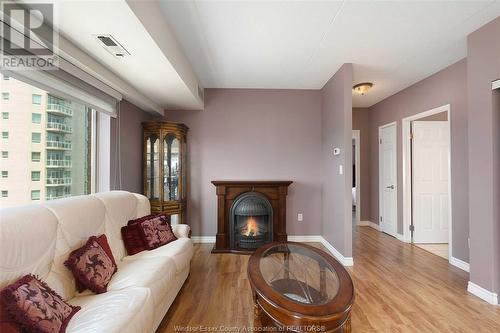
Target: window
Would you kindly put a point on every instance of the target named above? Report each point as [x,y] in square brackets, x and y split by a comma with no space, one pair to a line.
[5,154]
[36,99]
[35,156]
[5,96]
[36,137]
[35,176]
[6,77]
[5,115]
[35,195]
[60,161]
[5,135]
[36,118]
[5,194]
[5,174]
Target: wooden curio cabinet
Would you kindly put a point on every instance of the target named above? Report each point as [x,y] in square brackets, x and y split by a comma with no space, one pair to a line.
[164,168]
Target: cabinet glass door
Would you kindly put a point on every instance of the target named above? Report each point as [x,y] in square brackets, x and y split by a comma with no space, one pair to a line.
[171,167]
[153,167]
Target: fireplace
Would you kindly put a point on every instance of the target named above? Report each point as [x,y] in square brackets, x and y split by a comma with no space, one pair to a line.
[249,214]
[251,221]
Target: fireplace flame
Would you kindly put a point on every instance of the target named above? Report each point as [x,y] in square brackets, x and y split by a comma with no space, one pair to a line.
[251,229]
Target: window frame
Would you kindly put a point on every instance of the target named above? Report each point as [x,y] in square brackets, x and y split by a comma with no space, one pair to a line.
[39,156]
[5,137]
[39,195]
[5,115]
[5,174]
[33,139]
[39,175]
[33,120]
[33,99]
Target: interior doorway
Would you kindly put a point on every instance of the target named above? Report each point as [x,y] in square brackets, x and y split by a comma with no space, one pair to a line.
[356,178]
[427,182]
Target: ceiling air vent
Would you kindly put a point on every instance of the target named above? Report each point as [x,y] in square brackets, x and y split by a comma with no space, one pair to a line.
[111,45]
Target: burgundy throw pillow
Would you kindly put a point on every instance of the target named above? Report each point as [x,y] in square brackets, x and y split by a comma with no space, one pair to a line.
[132,236]
[7,323]
[92,266]
[156,231]
[36,307]
[103,241]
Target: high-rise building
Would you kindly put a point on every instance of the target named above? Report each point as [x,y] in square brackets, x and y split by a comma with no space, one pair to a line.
[45,145]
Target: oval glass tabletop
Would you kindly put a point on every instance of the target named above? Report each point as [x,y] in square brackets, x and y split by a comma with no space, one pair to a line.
[299,274]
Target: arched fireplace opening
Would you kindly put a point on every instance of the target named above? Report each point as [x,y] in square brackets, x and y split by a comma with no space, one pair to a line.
[251,217]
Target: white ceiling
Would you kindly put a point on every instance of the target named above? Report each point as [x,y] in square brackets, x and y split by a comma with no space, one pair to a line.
[148,68]
[301,44]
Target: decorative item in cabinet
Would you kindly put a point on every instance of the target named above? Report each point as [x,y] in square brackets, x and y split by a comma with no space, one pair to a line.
[165,167]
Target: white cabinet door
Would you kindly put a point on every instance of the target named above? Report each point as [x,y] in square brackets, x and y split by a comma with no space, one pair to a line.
[430,172]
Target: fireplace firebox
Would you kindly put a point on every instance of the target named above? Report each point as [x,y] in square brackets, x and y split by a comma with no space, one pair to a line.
[250,226]
[250,213]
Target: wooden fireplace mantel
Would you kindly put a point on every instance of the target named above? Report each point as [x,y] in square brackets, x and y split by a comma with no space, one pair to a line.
[229,190]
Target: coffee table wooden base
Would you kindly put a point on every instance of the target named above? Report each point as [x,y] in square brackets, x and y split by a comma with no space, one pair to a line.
[262,319]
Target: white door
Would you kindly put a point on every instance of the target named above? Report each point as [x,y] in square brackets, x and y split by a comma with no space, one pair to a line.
[430,172]
[388,179]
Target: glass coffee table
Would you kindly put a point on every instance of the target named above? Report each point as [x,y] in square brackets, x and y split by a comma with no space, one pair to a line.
[300,288]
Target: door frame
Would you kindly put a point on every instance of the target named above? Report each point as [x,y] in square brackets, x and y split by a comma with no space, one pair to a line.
[380,190]
[407,181]
[356,136]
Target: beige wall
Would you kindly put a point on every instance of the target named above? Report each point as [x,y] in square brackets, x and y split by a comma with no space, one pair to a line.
[484,156]
[255,134]
[360,121]
[336,132]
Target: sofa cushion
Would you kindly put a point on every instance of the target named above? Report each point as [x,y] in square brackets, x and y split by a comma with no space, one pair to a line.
[36,306]
[27,242]
[156,274]
[132,239]
[180,251]
[121,311]
[92,266]
[120,207]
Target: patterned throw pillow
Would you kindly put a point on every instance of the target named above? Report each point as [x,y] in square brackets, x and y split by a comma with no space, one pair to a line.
[156,231]
[103,241]
[132,237]
[36,307]
[7,322]
[92,266]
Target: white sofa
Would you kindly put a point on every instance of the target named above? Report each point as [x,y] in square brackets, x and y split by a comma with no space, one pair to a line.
[37,239]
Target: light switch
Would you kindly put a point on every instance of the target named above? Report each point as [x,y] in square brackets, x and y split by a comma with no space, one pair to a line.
[299,217]
[341,170]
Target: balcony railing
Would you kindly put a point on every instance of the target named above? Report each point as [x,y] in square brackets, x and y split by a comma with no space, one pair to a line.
[59,144]
[59,109]
[54,197]
[52,125]
[58,181]
[59,163]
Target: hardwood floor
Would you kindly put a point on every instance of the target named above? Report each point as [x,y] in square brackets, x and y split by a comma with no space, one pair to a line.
[399,288]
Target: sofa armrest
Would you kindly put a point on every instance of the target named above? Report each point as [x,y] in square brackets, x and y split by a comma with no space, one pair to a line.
[181,230]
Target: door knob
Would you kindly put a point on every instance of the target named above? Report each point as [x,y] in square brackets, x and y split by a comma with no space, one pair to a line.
[391,187]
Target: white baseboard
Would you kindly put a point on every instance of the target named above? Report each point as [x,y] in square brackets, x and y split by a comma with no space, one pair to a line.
[369,224]
[482,293]
[460,264]
[346,261]
[305,239]
[203,239]
[401,238]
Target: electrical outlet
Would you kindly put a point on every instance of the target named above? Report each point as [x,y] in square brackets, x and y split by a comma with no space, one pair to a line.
[299,217]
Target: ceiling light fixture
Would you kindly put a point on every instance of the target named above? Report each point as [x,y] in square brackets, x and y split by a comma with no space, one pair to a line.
[362,88]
